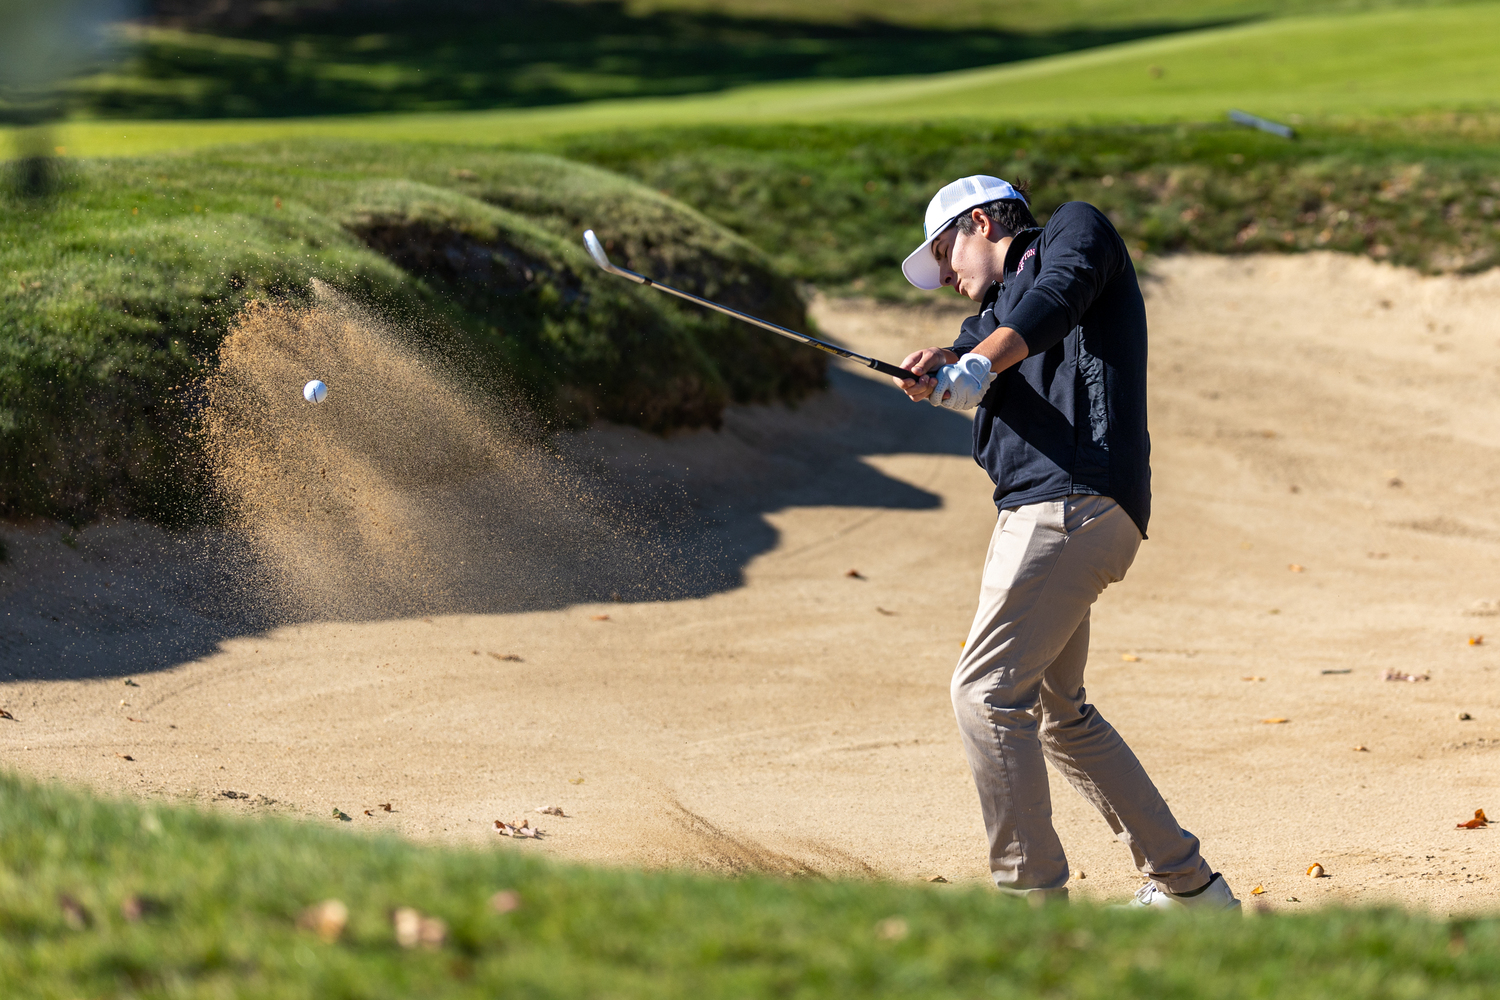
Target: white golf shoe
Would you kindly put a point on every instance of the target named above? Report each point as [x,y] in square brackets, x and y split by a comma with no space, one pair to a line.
[1214,896]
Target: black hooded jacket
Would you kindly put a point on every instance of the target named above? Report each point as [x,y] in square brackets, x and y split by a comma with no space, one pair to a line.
[1071,418]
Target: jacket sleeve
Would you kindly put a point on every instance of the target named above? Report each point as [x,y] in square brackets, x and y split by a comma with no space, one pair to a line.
[1082,255]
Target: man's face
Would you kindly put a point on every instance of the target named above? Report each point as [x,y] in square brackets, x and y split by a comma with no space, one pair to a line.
[971,262]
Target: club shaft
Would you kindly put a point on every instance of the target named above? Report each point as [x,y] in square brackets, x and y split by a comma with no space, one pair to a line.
[801,338]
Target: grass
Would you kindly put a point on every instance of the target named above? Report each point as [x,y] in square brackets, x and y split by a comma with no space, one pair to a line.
[1331,69]
[841,204]
[106,898]
[116,289]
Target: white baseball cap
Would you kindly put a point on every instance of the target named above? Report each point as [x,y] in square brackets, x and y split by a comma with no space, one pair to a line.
[921,267]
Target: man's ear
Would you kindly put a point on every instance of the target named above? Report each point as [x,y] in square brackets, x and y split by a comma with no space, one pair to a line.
[983,225]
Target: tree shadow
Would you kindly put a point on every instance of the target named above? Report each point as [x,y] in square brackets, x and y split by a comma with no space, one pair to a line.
[264,60]
[663,519]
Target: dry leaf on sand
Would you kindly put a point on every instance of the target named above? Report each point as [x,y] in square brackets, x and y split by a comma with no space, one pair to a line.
[1476,640]
[124,756]
[326,919]
[385,807]
[1251,677]
[1479,821]
[576,781]
[937,878]
[1361,748]
[1259,890]
[1276,721]
[855,574]
[552,811]
[1316,871]
[1296,568]
[599,618]
[1130,658]
[1401,675]
[523,830]
[6,715]
[508,658]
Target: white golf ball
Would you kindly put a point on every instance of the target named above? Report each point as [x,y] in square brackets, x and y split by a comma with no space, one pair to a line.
[314,391]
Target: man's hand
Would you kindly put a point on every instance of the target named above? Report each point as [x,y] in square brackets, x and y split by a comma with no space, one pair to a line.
[921,364]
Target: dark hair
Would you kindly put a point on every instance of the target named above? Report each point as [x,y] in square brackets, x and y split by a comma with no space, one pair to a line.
[1010,214]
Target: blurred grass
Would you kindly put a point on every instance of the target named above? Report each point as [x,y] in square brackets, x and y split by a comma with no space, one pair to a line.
[842,204]
[1327,69]
[447,54]
[116,290]
[104,898]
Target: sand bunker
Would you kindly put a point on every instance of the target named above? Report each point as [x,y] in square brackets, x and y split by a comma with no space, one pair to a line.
[403,492]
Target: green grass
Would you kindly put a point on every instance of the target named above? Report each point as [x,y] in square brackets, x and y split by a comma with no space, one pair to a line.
[116,290]
[1341,69]
[221,898]
[841,204]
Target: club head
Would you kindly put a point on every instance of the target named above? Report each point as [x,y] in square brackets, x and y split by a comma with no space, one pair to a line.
[596,250]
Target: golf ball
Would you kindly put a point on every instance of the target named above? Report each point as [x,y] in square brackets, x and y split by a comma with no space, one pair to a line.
[314,391]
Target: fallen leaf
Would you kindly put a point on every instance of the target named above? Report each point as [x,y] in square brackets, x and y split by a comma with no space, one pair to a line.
[130,683]
[386,806]
[939,878]
[552,811]
[1130,658]
[599,618]
[1479,820]
[884,611]
[523,830]
[508,658]
[124,756]
[1398,675]
[75,915]
[1249,677]
[1259,890]
[505,901]
[1316,871]
[137,908]
[576,781]
[412,928]
[1476,640]
[6,715]
[339,814]
[1465,717]
[1295,567]
[326,919]
[855,574]
[129,718]
[1278,720]
[1361,748]
[1293,899]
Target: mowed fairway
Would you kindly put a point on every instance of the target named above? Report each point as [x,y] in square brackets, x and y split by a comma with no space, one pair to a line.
[1327,68]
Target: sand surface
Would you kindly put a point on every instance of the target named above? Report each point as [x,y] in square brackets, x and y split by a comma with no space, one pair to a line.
[1327,465]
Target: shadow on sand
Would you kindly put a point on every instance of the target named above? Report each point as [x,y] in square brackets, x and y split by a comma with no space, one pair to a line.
[652,519]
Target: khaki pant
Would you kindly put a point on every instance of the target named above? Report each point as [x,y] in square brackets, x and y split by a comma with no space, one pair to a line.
[1018,693]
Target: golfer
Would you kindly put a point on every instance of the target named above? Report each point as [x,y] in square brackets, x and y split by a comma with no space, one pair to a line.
[1055,363]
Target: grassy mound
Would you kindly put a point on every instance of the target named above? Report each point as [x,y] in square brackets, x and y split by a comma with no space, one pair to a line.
[102,898]
[118,287]
[842,204]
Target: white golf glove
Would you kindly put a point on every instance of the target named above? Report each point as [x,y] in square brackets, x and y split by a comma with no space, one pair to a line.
[965,383]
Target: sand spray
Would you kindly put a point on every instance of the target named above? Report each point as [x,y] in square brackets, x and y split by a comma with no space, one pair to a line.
[407,490]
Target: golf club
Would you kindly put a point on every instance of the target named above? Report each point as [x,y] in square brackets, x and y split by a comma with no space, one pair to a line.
[596,251]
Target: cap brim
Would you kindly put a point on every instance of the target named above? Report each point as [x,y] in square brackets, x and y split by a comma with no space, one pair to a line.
[921,267]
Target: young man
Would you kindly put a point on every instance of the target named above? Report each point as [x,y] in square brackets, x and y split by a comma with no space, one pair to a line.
[1055,362]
